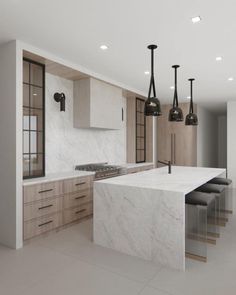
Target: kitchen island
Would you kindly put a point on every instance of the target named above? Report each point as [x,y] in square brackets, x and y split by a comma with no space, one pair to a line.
[143,214]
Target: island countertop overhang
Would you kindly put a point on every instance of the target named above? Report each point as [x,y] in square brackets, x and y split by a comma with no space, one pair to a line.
[182,179]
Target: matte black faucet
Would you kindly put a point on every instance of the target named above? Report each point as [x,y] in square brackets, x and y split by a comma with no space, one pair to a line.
[168,164]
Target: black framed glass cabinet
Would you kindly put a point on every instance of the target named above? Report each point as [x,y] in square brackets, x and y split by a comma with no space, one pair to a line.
[140,131]
[33,119]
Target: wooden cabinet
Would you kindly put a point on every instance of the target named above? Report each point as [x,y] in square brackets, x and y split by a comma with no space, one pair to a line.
[78,212]
[131,170]
[77,198]
[42,208]
[139,132]
[77,184]
[176,142]
[41,225]
[42,191]
[50,205]
[97,105]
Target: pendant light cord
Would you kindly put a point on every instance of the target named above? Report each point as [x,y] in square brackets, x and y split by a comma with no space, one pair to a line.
[152,81]
[175,102]
[191,96]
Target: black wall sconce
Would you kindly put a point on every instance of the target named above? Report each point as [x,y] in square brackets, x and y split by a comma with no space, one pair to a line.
[60,97]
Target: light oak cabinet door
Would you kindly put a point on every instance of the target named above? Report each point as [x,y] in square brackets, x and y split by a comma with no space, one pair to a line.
[73,214]
[77,198]
[42,208]
[176,142]
[42,191]
[41,225]
[77,184]
[48,206]
[164,137]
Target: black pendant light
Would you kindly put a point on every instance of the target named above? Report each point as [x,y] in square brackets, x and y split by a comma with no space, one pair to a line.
[176,114]
[152,104]
[191,119]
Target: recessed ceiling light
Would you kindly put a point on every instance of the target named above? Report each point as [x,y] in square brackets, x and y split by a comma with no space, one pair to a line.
[104,47]
[146,72]
[35,94]
[196,19]
[218,58]
[172,87]
[188,97]
[230,79]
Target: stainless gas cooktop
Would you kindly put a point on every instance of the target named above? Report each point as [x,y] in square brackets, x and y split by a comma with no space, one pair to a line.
[102,170]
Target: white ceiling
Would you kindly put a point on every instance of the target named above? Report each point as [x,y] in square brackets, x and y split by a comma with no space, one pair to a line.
[74,30]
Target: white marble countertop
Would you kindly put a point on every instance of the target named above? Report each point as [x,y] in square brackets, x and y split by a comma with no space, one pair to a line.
[182,179]
[57,176]
[73,174]
[135,165]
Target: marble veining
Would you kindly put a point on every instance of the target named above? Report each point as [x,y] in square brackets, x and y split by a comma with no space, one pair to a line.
[140,222]
[143,214]
[67,146]
[182,179]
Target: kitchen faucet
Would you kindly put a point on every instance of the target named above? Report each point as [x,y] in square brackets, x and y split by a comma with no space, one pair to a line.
[168,164]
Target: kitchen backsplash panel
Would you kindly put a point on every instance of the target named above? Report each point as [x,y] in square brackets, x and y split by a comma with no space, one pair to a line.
[67,146]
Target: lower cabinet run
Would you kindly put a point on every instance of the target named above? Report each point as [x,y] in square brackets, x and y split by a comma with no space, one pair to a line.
[50,205]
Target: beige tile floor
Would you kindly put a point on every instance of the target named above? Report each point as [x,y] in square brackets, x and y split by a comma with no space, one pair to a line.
[67,262]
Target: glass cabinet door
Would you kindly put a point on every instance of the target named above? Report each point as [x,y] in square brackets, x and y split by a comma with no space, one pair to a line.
[33,119]
[140,132]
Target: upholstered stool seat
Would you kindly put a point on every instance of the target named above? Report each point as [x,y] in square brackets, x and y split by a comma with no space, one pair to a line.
[229,192]
[219,192]
[220,181]
[198,198]
[210,188]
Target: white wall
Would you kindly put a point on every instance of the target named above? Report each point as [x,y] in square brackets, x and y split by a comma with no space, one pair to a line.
[231,141]
[67,146]
[11,145]
[222,141]
[207,138]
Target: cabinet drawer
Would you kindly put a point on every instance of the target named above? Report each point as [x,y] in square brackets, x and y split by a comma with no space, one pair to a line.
[133,170]
[71,215]
[77,184]
[41,208]
[77,198]
[145,168]
[42,191]
[41,225]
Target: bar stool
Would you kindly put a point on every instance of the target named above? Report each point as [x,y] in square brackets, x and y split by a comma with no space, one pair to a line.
[199,207]
[219,192]
[227,184]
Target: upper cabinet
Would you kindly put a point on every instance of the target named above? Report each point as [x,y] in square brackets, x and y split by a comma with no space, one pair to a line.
[97,105]
[139,132]
[33,119]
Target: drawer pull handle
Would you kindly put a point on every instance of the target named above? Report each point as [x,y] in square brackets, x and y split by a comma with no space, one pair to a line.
[46,190]
[45,223]
[80,211]
[81,197]
[44,207]
[81,183]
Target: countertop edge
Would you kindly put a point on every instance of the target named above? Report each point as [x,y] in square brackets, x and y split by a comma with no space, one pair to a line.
[56,177]
[73,174]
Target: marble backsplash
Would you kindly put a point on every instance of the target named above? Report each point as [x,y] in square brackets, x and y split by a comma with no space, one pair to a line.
[67,146]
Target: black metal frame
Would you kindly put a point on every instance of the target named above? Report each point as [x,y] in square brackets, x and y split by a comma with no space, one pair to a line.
[136,133]
[43,119]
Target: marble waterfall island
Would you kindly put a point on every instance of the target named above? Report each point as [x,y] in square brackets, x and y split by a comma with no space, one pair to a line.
[143,214]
